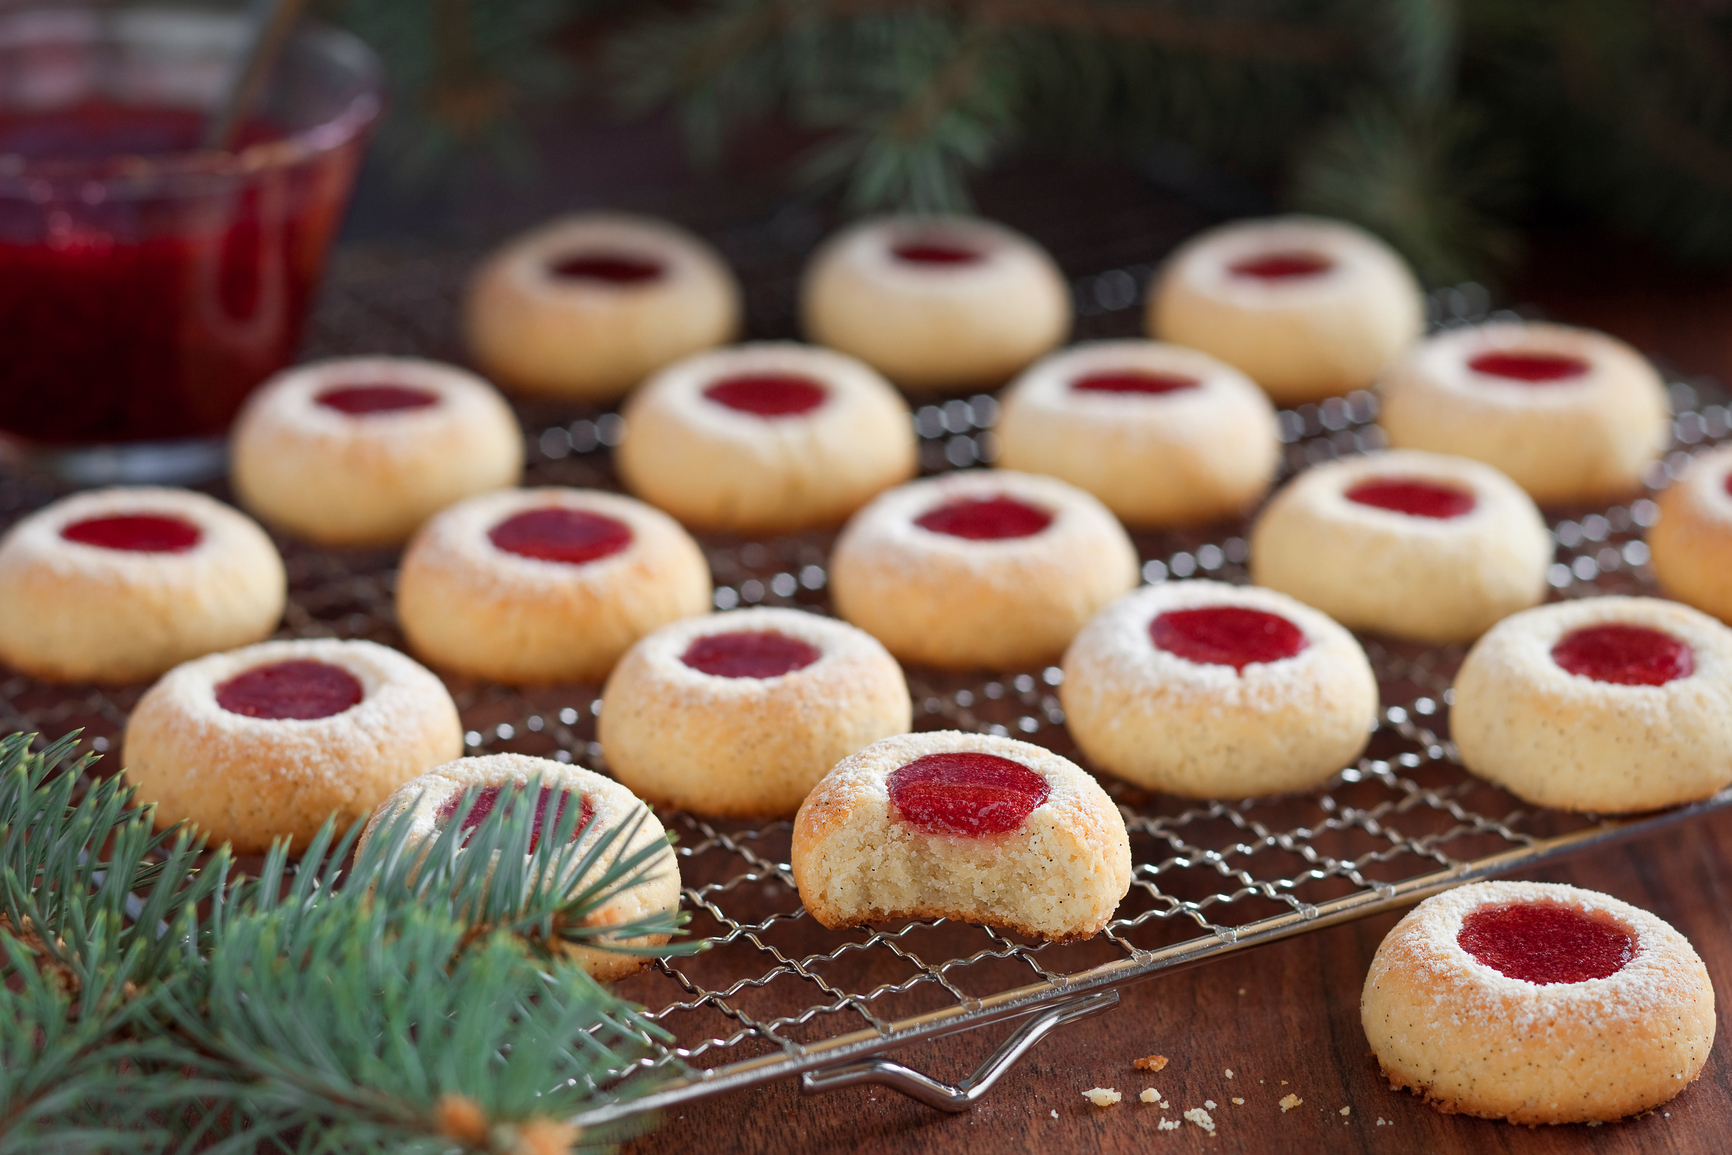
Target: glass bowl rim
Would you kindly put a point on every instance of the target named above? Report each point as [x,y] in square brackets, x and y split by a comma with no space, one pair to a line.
[163,174]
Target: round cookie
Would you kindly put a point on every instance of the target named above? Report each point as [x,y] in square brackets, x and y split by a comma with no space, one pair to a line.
[1164,436]
[545,585]
[362,450]
[966,827]
[980,568]
[268,741]
[740,714]
[1412,544]
[1308,308]
[435,798]
[584,307]
[1537,1003]
[1692,542]
[935,303]
[765,438]
[1606,704]
[117,585]
[1217,691]
[1570,415]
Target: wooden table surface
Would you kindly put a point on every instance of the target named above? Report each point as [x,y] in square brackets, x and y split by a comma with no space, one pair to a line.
[1285,1018]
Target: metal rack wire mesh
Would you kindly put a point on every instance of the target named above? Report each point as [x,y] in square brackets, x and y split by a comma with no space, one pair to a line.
[777,995]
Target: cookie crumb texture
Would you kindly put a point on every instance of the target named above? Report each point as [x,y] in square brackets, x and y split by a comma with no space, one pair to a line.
[1289,1101]
[1150,1063]
[1473,1041]
[1102,1096]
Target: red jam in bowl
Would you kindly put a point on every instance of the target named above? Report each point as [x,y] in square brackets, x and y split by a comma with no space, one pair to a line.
[1624,655]
[299,689]
[1133,381]
[1226,636]
[151,315]
[768,394]
[135,533]
[936,253]
[573,536]
[1529,368]
[985,519]
[607,268]
[1413,497]
[1545,943]
[488,797]
[360,400]
[1282,266]
[966,793]
[749,655]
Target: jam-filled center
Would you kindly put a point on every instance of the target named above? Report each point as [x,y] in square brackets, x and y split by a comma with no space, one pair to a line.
[768,394]
[360,400]
[1625,655]
[1529,368]
[1227,636]
[611,268]
[552,533]
[1545,942]
[765,654]
[985,519]
[1412,496]
[1133,381]
[1284,266]
[487,798]
[966,793]
[300,689]
[937,252]
[135,533]
[1728,484]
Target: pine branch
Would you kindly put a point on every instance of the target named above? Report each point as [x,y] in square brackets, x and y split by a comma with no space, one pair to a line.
[150,1004]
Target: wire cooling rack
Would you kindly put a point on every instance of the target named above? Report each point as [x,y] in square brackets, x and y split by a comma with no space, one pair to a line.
[775,995]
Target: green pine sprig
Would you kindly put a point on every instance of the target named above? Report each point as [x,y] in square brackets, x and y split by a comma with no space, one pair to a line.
[417,999]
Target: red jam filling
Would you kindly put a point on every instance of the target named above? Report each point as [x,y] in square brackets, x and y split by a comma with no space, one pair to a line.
[1226,636]
[1624,655]
[609,268]
[299,689]
[1529,368]
[749,655]
[967,793]
[768,394]
[573,536]
[359,400]
[135,532]
[985,519]
[1282,266]
[1728,484]
[1545,943]
[936,253]
[1413,497]
[488,797]
[1133,381]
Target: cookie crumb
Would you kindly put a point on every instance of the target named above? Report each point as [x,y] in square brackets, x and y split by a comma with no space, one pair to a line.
[1380,1121]
[1150,1063]
[1238,1102]
[1055,1114]
[1209,1103]
[1228,1072]
[1150,1096]
[1290,1102]
[1102,1096]
[1283,1082]
[1168,1125]
[1201,1118]
[1347,1110]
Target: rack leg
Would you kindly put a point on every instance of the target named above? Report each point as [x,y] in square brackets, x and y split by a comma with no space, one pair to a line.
[961,1097]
